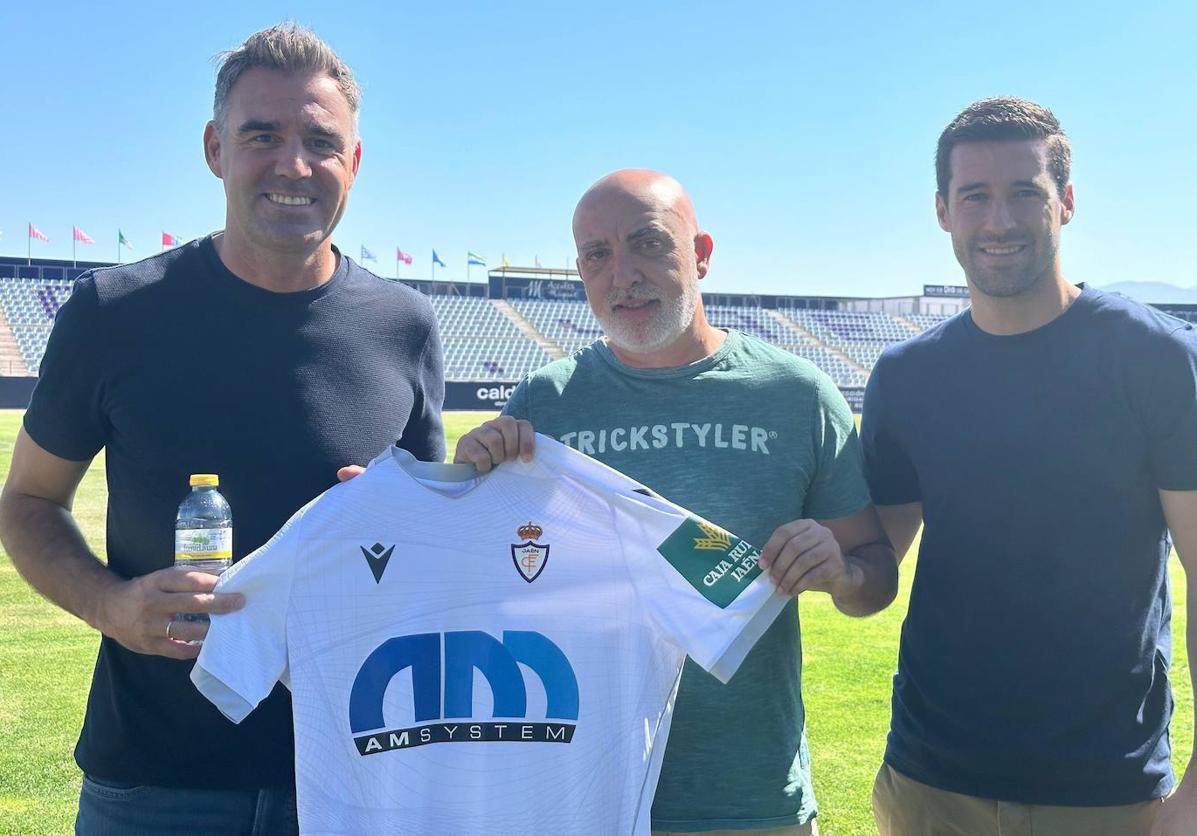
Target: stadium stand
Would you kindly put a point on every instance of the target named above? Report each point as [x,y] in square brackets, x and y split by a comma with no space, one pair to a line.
[481,343]
[490,339]
[570,325]
[925,321]
[776,330]
[30,306]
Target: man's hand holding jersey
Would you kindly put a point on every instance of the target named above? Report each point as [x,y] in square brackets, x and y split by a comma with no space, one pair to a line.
[496,441]
[849,558]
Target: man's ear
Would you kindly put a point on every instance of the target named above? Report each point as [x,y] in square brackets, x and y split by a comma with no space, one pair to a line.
[941,212]
[704,244]
[1067,205]
[212,143]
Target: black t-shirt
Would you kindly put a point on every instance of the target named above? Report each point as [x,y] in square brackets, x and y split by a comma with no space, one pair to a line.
[175,366]
[1033,665]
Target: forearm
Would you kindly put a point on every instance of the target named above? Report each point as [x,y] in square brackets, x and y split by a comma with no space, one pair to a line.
[871,582]
[49,551]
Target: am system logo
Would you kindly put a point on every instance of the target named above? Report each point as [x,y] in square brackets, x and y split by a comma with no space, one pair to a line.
[463,652]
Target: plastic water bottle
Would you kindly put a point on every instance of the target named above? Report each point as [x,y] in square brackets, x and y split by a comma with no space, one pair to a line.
[203,531]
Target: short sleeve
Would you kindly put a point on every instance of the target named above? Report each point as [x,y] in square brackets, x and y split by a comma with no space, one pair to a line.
[65,415]
[838,488]
[1172,413]
[891,476]
[517,405]
[245,652]
[701,585]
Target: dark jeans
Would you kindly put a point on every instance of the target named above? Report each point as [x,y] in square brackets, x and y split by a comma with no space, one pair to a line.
[110,809]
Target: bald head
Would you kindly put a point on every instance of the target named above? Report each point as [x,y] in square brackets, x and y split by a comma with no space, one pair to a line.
[652,189]
[641,256]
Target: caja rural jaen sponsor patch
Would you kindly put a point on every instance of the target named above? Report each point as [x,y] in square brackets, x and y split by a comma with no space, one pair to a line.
[715,562]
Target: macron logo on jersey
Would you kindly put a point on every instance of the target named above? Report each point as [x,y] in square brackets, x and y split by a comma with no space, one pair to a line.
[377,557]
[463,652]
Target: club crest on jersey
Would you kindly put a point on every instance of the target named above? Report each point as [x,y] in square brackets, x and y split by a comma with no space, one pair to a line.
[377,558]
[529,556]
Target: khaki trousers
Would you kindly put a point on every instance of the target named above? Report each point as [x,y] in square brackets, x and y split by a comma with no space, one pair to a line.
[904,807]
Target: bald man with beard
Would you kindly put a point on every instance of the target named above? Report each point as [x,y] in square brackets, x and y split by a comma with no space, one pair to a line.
[736,430]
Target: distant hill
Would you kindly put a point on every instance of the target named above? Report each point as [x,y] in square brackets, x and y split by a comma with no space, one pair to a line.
[1158,292]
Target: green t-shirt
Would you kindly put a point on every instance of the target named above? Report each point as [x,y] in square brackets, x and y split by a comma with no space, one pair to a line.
[750,438]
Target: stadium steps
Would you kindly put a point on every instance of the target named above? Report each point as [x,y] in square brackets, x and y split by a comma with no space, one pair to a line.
[906,323]
[12,364]
[785,321]
[831,349]
[527,329]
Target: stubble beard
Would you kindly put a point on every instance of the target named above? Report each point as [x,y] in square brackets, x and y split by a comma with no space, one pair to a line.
[1005,284]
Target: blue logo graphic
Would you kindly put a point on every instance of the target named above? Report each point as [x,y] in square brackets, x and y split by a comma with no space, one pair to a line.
[464,651]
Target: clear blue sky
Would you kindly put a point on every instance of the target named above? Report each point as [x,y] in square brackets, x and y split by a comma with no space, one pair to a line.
[804,131]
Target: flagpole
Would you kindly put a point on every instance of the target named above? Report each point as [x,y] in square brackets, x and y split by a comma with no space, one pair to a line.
[29,244]
[74,261]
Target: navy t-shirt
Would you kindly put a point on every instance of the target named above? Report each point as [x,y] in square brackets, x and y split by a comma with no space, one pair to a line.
[1033,664]
[175,366]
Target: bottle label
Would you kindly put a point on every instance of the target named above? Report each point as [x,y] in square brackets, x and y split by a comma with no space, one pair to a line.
[203,544]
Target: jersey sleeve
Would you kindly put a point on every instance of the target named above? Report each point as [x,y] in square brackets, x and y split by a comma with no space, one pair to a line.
[1172,413]
[245,652]
[66,415]
[700,584]
[839,486]
[891,476]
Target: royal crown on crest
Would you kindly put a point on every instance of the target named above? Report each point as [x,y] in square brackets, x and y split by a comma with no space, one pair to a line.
[531,531]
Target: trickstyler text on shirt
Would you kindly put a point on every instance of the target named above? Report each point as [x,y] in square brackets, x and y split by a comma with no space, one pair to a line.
[677,435]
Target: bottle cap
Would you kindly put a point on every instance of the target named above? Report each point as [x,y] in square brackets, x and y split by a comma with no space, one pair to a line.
[204,479]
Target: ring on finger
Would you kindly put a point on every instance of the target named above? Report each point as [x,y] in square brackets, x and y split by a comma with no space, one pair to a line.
[169,624]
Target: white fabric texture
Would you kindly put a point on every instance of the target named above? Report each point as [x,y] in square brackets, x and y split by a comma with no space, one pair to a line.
[456,670]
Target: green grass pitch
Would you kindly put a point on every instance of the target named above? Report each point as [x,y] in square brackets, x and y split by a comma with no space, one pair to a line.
[46,658]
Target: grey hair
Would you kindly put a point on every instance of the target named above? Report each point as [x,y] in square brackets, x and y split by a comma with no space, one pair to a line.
[289,48]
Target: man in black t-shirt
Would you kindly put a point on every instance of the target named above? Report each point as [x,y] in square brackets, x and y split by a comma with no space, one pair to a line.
[259,353]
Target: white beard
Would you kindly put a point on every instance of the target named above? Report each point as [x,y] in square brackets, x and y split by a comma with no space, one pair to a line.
[669,322]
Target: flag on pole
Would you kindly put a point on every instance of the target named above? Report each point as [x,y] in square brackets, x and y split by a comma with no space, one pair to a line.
[169,240]
[536,260]
[81,236]
[122,241]
[474,258]
[34,232]
[436,259]
[367,255]
[503,261]
[402,256]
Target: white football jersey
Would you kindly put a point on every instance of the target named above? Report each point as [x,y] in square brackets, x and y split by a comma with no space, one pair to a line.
[484,654]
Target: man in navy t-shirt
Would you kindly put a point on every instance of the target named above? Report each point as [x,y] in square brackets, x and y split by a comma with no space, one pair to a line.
[1047,441]
[259,353]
